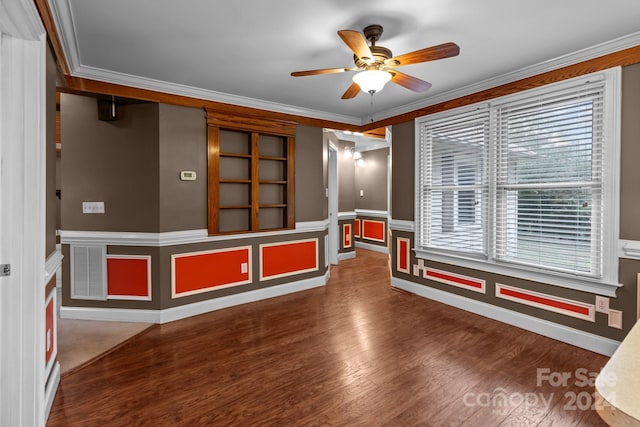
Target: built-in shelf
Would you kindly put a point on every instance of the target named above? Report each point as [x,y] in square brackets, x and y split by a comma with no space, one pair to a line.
[236,207]
[235,181]
[273,182]
[251,174]
[236,155]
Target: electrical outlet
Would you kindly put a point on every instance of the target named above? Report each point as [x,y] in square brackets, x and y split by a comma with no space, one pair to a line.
[615,319]
[602,304]
[243,268]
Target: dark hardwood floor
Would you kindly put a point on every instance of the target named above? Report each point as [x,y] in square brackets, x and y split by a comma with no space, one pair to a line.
[354,352]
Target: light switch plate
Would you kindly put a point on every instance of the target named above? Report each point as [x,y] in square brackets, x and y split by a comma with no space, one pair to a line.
[602,304]
[92,207]
[615,319]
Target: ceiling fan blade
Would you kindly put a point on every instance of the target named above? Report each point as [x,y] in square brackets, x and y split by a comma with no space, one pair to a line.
[321,71]
[352,91]
[410,82]
[441,51]
[356,42]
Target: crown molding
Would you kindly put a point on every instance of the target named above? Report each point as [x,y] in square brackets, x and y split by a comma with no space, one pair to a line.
[124,79]
[63,17]
[616,45]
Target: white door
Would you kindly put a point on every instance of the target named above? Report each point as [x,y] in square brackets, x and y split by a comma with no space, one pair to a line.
[22,211]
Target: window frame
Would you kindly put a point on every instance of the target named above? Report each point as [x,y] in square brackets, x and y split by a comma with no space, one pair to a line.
[607,282]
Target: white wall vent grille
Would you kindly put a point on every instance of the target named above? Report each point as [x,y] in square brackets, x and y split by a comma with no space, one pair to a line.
[89,272]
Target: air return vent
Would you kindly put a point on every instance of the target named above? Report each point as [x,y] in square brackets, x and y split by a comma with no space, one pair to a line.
[89,272]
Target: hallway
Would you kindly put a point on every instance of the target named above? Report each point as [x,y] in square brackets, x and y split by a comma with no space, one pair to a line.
[354,352]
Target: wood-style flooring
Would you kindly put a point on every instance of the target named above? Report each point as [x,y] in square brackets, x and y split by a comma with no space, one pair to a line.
[354,352]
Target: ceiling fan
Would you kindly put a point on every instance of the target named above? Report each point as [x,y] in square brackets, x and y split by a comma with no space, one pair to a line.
[377,65]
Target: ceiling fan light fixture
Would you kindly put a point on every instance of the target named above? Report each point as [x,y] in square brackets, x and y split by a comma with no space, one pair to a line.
[372,81]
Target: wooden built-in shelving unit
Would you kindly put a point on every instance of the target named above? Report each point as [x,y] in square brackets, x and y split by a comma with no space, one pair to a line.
[251,174]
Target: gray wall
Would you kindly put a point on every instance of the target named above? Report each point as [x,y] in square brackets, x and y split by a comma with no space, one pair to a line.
[346,179]
[133,165]
[371,179]
[402,171]
[311,201]
[113,162]
[183,147]
[630,153]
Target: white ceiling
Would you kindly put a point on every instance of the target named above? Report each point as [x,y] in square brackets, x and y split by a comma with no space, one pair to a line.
[243,51]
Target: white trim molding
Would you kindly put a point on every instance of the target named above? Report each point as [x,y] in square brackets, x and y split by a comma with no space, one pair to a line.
[172,238]
[52,264]
[586,340]
[370,247]
[189,310]
[51,388]
[346,255]
[372,213]
[401,225]
[23,66]
[346,215]
[629,249]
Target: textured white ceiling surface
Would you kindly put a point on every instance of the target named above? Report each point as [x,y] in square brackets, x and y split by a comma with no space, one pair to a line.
[243,51]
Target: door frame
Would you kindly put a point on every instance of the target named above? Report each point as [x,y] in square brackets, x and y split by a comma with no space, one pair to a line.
[332,183]
[23,47]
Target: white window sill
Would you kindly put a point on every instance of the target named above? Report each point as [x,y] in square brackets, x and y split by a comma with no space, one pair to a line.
[575,282]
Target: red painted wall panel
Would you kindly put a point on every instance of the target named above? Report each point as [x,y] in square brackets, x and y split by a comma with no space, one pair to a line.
[373,230]
[356,228]
[546,301]
[403,261]
[50,333]
[288,258]
[346,231]
[128,277]
[199,272]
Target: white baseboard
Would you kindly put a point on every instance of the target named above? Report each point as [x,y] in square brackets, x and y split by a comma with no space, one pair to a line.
[110,314]
[346,255]
[51,388]
[549,329]
[188,310]
[375,248]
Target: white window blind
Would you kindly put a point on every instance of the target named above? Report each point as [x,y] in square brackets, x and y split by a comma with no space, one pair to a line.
[526,185]
[453,189]
[549,188]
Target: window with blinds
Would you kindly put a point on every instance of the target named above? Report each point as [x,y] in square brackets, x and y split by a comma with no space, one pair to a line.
[453,196]
[525,181]
[549,181]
